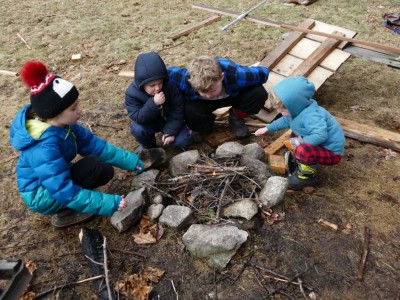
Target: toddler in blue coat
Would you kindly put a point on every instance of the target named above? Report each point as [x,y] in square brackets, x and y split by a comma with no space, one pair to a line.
[48,137]
[317,138]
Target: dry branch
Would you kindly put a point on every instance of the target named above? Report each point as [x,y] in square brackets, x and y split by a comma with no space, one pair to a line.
[25,42]
[361,269]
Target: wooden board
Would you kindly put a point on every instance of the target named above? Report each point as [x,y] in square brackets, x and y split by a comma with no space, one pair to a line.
[370,134]
[192,28]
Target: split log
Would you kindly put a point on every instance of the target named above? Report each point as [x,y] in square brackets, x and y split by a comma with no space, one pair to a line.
[9,73]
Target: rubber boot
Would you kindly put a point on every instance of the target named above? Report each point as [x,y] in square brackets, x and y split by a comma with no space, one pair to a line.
[303,176]
[290,163]
[238,124]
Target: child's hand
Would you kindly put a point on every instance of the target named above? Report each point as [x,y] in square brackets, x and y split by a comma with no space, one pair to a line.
[168,139]
[139,166]
[122,204]
[159,98]
[261,131]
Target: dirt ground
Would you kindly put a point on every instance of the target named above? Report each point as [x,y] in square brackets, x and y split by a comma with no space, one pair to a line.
[361,194]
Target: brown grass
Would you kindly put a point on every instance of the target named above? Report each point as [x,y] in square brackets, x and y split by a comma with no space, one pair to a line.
[359,191]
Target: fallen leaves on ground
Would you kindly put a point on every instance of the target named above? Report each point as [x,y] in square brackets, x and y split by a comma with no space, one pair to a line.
[149,232]
[137,284]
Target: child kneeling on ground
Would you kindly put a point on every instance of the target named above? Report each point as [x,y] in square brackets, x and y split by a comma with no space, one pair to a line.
[317,138]
[48,137]
[154,104]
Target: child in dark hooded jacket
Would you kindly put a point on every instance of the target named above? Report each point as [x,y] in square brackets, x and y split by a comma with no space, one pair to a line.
[155,105]
[317,137]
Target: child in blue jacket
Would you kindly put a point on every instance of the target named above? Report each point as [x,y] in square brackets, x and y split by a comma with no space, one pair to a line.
[48,137]
[317,137]
[155,105]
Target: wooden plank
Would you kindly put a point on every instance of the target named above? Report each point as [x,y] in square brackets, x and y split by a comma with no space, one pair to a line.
[265,116]
[324,27]
[278,143]
[394,50]
[319,76]
[195,27]
[287,65]
[372,55]
[286,45]
[277,163]
[370,134]
[311,62]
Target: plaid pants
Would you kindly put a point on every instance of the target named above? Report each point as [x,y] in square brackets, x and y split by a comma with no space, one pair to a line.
[308,154]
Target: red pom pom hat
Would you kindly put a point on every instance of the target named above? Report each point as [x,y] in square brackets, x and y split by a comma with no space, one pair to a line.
[50,94]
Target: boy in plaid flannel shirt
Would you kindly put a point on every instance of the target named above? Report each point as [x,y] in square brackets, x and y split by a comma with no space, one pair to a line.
[208,84]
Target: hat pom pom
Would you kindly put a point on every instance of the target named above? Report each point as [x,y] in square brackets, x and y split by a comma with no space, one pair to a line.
[33,73]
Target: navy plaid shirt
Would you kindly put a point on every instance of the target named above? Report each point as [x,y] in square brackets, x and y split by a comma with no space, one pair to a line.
[236,78]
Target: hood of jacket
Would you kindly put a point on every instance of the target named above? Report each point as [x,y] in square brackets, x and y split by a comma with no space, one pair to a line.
[149,67]
[25,132]
[296,93]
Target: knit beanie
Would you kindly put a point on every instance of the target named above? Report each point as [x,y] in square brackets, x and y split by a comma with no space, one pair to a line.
[50,94]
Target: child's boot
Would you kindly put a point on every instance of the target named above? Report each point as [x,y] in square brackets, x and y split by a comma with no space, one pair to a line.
[290,163]
[68,217]
[238,123]
[303,176]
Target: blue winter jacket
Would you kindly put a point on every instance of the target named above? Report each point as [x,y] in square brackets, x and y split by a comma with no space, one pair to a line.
[236,78]
[43,168]
[140,105]
[314,124]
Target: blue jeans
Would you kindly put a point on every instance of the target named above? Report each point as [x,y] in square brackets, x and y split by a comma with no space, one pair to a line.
[145,134]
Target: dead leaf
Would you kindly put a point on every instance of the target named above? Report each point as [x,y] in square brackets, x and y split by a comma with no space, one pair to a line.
[275,217]
[153,274]
[31,266]
[149,233]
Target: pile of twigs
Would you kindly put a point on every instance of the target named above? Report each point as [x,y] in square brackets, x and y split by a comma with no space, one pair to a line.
[211,184]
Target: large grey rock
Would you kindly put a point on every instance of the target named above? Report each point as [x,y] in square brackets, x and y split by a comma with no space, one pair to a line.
[138,199]
[216,244]
[274,191]
[259,170]
[255,151]
[246,209]
[178,165]
[176,216]
[229,149]
[145,179]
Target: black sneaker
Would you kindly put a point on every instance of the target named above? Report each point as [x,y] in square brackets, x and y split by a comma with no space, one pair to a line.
[238,124]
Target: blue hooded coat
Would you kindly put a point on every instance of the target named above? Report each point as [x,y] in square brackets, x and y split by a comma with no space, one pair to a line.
[140,105]
[314,124]
[43,168]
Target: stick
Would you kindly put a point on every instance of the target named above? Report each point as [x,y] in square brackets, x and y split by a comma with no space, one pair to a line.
[195,27]
[4,72]
[59,287]
[106,268]
[361,269]
[23,40]
[227,182]
[173,286]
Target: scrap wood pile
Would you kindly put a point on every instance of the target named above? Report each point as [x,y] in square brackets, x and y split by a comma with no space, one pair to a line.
[211,184]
